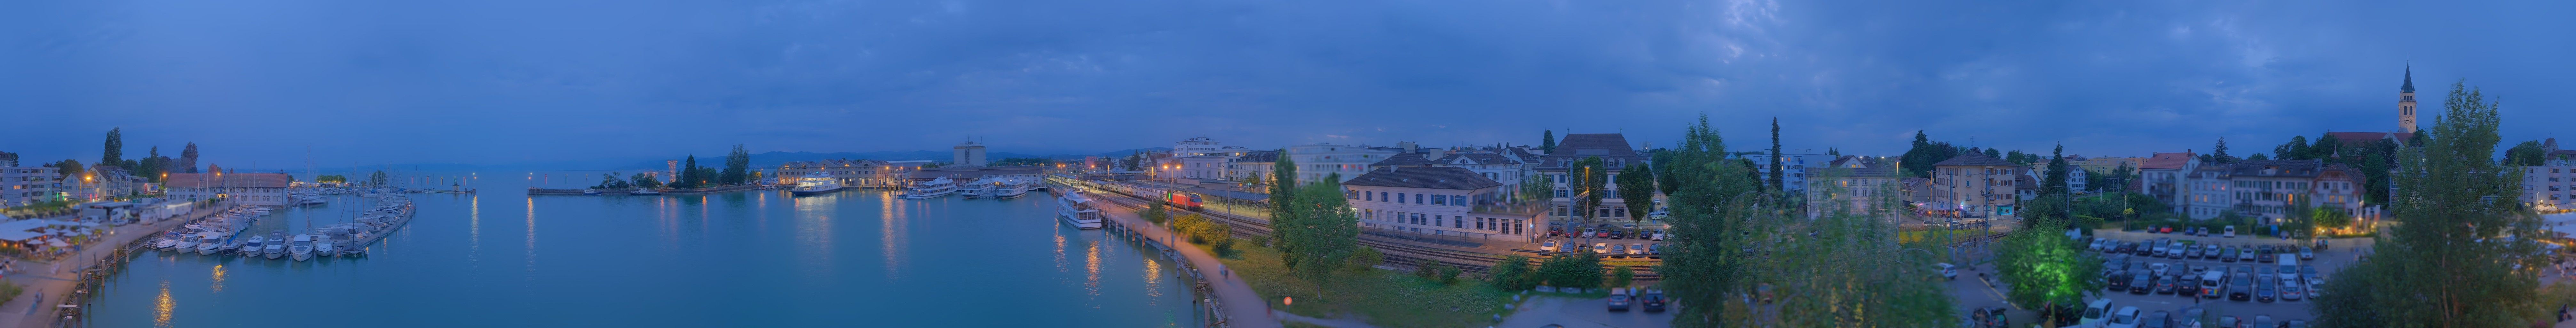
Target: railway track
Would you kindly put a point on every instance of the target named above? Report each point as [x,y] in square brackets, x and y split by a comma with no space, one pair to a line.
[1396,253]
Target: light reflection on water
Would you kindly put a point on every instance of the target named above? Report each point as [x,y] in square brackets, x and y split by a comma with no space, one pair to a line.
[611,256]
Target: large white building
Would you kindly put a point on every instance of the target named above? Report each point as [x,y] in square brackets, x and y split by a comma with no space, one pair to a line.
[267,189]
[22,185]
[1316,161]
[967,154]
[2551,187]
[863,174]
[1438,201]
[1798,162]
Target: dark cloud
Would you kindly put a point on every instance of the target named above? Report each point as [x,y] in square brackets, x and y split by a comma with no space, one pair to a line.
[518,81]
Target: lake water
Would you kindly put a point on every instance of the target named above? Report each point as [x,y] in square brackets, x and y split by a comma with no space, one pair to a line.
[756,258]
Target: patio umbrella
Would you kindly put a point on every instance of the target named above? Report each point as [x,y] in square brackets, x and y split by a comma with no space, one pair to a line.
[56,243]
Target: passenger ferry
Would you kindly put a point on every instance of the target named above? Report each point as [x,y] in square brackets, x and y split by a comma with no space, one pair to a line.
[932,189]
[1075,208]
[979,188]
[1013,188]
[815,183]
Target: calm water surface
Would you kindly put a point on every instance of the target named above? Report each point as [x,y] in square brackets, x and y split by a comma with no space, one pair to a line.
[759,258]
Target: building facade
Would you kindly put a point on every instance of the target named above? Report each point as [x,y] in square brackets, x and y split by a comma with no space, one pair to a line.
[863,174]
[264,189]
[967,154]
[1976,184]
[1614,151]
[1316,161]
[2551,186]
[2162,176]
[1439,201]
[24,185]
[1797,162]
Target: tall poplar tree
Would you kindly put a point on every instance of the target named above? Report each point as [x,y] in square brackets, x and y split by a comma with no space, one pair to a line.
[2451,261]
[1326,232]
[188,158]
[1779,173]
[1547,141]
[1284,210]
[115,152]
[1590,176]
[1704,262]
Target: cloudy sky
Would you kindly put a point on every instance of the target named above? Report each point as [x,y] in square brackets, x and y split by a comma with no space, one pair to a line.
[539,81]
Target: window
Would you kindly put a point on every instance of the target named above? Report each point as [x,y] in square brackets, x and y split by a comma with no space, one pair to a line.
[1439,199]
[1399,197]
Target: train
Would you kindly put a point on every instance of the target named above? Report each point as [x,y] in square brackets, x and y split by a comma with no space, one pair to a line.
[1179,199]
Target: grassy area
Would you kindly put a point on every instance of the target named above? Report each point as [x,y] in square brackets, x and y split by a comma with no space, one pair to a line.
[1382,298]
[10,291]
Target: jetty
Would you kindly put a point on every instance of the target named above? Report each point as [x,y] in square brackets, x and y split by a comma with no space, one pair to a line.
[533,191]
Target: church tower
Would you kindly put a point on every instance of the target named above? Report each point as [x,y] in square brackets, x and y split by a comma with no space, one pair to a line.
[2406,103]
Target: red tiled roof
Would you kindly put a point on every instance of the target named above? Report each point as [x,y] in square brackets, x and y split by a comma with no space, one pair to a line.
[2367,136]
[231,180]
[2167,161]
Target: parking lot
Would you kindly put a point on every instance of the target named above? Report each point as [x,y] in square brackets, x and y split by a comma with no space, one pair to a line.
[1974,288]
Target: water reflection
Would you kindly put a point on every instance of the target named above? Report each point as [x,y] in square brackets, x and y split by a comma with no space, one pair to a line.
[1091,269]
[474,227]
[161,306]
[218,279]
[814,233]
[532,238]
[893,257]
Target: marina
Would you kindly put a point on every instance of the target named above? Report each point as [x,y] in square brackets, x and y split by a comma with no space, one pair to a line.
[762,258]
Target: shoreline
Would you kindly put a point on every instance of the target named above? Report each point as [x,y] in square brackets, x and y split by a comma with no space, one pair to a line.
[60,285]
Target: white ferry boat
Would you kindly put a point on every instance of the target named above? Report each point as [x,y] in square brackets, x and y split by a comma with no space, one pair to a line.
[815,183]
[1075,208]
[932,189]
[1013,188]
[978,189]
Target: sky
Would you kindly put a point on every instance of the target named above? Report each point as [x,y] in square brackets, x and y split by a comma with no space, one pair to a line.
[275,83]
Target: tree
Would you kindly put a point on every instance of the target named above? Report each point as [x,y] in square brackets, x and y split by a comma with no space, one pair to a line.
[1590,176]
[188,158]
[115,152]
[1664,181]
[1323,234]
[2258,157]
[67,168]
[737,169]
[1637,190]
[2446,264]
[2045,269]
[2326,147]
[2218,153]
[1843,268]
[1547,141]
[1156,213]
[2297,148]
[1622,276]
[2527,153]
[1703,261]
[1778,172]
[1537,187]
[1283,200]
[1577,270]
[2055,180]
[150,168]
[611,181]
[1135,161]
[688,175]
[641,180]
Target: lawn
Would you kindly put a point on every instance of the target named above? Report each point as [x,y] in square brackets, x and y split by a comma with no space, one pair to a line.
[1383,298]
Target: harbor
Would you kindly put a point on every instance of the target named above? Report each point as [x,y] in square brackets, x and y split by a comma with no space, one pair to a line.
[753,258]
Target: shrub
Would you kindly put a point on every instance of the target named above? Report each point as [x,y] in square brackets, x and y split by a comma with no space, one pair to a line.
[1448,274]
[1426,268]
[1512,273]
[1365,258]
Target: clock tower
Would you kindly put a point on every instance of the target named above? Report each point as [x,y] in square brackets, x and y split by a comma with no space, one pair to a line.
[2406,103]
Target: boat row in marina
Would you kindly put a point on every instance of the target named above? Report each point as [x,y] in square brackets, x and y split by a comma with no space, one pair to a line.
[217,236]
[997,188]
[934,188]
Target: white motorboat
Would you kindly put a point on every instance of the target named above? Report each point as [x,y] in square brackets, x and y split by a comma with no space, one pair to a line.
[930,189]
[322,246]
[188,241]
[642,191]
[251,247]
[168,239]
[1076,209]
[302,247]
[815,183]
[208,247]
[276,246]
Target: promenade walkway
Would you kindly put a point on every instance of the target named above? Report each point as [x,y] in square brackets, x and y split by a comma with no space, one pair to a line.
[1243,307]
[49,283]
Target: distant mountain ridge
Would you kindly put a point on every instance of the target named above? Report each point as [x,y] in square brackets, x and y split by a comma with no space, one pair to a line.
[774,158]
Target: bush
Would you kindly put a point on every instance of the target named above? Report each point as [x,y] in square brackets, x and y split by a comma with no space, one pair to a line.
[1448,274]
[1366,258]
[1572,271]
[1513,273]
[1426,268]
[1622,276]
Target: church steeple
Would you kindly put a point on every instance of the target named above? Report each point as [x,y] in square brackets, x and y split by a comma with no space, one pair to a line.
[2406,102]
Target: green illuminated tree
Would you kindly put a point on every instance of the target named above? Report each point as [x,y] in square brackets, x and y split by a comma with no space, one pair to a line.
[1637,190]
[2449,262]
[2045,268]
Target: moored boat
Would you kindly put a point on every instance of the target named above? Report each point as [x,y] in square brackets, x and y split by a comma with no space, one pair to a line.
[303,247]
[930,189]
[1075,208]
[815,183]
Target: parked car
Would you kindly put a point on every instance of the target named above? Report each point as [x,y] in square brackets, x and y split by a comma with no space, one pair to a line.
[1652,300]
[2231,232]
[1619,300]
[1600,233]
[2265,288]
[2117,281]
[1655,249]
[1598,248]
[2141,284]
[2186,286]
[2227,254]
[2294,323]
[2263,253]
[2096,313]
[2240,287]
[1635,248]
[2126,317]
[2164,285]
[2307,253]
[2159,268]
[2263,321]
[2245,254]
[2160,319]
[2292,290]
[2213,284]
[1948,271]
[1618,248]
[1549,245]
[1659,234]
[2229,321]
